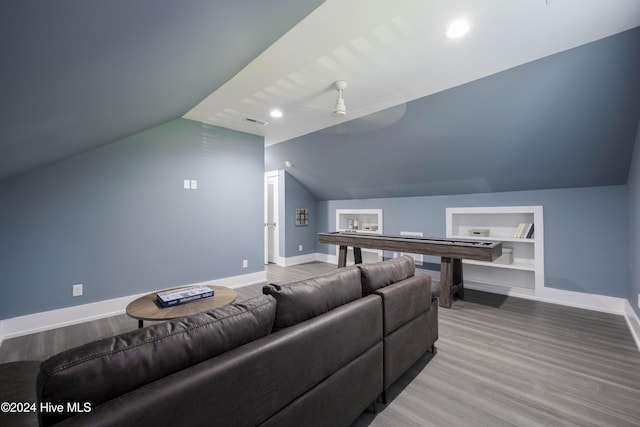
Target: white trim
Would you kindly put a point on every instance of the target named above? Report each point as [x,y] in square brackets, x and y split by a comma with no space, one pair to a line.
[593,302]
[633,321]
[299,259]
[582,300]
[275,174]
[37,322]
[52,319]
[329,259]
[238,281]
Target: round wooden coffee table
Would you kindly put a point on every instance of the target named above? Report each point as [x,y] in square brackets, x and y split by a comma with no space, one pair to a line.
[147,307]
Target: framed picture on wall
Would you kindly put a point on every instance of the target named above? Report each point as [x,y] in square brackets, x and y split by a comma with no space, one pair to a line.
[302,216]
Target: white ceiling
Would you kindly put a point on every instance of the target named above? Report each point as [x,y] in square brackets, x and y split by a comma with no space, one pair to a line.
[392,52]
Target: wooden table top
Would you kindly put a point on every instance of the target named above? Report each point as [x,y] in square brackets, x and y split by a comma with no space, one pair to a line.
[448,248]
[147,307]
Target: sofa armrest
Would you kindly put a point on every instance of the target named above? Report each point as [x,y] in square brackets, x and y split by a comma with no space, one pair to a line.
[405,300]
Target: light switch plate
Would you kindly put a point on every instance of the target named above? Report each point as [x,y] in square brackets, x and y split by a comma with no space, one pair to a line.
[77,290]
[194,184]
[187,184]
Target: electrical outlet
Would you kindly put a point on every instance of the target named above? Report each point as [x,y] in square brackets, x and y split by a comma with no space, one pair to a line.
[245,263]
[77,290]
[299,248]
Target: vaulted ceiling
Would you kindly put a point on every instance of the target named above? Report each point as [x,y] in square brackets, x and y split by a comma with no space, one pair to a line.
[564,121]
[425,115]
[75,74]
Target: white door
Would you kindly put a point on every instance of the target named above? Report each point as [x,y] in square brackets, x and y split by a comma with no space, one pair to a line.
[271,216]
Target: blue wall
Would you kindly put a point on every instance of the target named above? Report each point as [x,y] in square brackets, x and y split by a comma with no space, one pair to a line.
[585,235]
[634,227]
[296,196]
[118,220]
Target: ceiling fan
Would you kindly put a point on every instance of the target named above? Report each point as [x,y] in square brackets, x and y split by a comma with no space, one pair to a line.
[340,108]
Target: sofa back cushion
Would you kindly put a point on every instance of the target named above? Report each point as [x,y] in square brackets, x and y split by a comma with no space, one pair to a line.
[380,274]
[300,301]
[102,370]
[405,300]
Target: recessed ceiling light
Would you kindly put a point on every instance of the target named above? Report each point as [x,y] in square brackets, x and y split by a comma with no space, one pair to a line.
[276,113]
[457,29]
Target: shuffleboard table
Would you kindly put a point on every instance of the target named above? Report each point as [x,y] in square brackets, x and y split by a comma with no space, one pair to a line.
[450,251]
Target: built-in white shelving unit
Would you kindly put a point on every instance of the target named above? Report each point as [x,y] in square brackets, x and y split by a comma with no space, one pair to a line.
[525,275]
[368,221]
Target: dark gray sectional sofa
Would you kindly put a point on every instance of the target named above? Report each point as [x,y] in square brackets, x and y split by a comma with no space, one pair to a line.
[315,353]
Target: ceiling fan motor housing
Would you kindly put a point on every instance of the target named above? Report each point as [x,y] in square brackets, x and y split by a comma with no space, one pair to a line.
[341,108]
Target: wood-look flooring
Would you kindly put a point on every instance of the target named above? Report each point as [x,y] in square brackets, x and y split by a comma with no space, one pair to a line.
[500,361]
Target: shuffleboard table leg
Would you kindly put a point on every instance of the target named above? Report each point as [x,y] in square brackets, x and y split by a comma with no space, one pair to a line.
[357,255]
[446,282]
[451,280]
[458,281]
[342,257]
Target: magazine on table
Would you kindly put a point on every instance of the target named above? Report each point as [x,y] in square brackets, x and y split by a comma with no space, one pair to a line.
[183,295]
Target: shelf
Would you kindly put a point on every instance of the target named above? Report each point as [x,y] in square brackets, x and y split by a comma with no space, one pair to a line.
[511,278]
[498,289]
[525,276]
[365,217]
[525,265]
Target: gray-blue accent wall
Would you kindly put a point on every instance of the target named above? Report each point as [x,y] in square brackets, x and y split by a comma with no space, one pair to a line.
[118,220]
[296,196]
[633,184]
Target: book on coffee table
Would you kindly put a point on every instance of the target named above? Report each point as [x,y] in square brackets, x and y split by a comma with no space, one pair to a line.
[183,295]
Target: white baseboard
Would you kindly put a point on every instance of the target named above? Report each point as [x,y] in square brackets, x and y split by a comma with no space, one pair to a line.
[300,259]
[329,259]
[594,302]
[37,322]
[238,281]
[634,323]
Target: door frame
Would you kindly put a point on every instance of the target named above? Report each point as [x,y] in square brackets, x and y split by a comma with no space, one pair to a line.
[274,176]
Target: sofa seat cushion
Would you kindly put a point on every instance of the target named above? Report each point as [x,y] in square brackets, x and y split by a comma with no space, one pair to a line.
[380,274]
[102,370]
[404,301]
[300,301]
